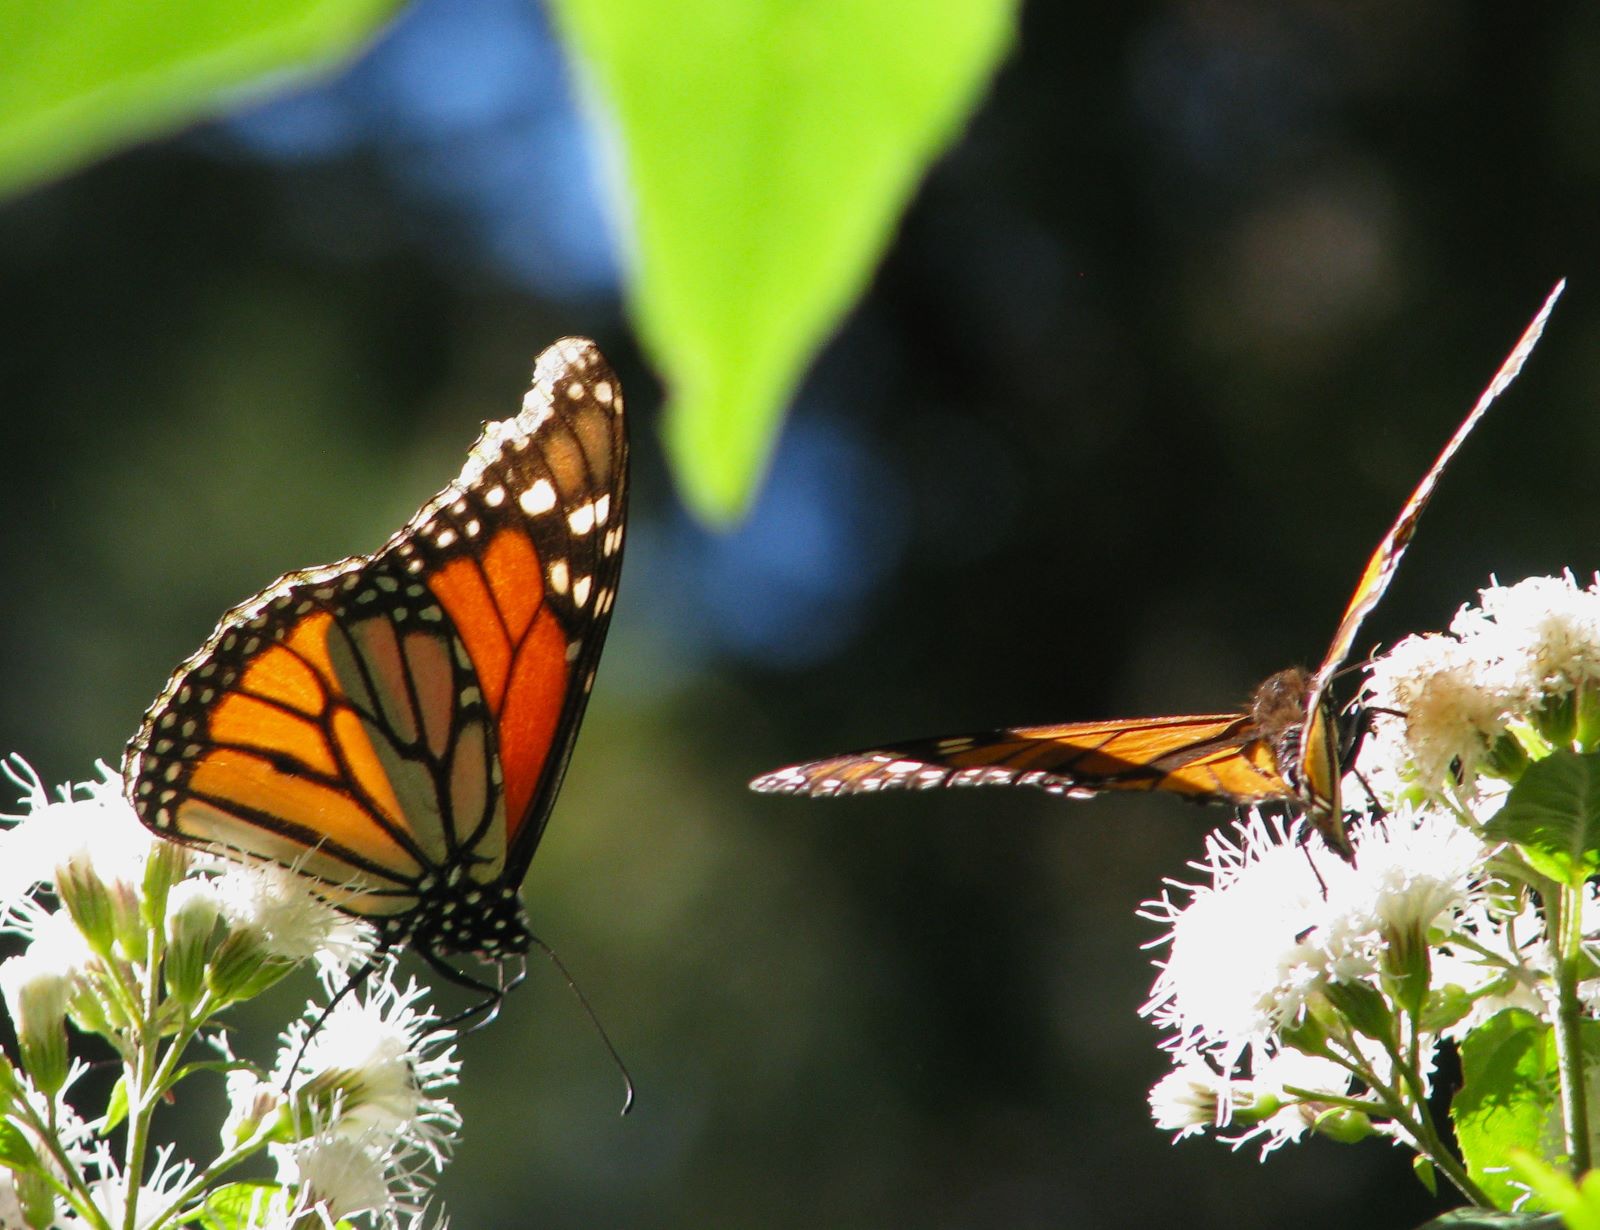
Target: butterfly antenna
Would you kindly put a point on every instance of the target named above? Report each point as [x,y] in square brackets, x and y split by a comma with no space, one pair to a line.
[605,1038]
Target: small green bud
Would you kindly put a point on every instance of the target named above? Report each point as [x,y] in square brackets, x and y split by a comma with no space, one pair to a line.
[1444,1007]
[1556,719]
[190,928]
[1309,1035]
[242,966]
[1361,1006]
[1407,967]
[1586,727]
[265,1101]
[37,1198]
[36,996]
[1506,758]
[87,1006]
[163,870]
[127,914]
[88,901]
[1342,1124]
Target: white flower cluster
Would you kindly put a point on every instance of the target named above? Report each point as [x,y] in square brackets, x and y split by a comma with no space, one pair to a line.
[1300,992]
[1443,701]
[144,943]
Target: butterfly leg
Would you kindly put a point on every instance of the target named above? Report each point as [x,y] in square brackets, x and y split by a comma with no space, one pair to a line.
[488,1007]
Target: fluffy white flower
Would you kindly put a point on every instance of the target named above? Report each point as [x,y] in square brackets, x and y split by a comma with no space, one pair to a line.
[294,923]
[89,823]
[379,1066]
[338,1177]
[1242,957]
[1452,706]
[1546,631]
[1410,870]
[1189,1099]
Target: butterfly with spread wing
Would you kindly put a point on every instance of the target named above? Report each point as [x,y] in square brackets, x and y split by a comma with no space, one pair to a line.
[1284,746]
[395,726]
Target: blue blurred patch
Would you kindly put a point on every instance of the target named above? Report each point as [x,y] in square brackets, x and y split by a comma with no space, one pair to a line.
[466,107]
[794,582]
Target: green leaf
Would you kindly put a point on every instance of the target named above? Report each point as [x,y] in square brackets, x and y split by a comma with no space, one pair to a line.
[79,78]
[1491,1219]
[15,1150]
[1578,1203]
[116,1107]
[768,148]
[1508,1099]
[1553,816]
[236,1206]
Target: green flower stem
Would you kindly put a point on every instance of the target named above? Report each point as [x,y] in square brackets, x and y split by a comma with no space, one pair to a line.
[72,1190]
[1566,943]
[139,1073]
[1420,1128]
[219,1166]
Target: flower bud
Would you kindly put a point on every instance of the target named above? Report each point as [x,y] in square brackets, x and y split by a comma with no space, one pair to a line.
[243,966]
[163,870]
[251,1101]
[36,997]
[127,913]
[37,1197]
[191,923]
[1343,1125]
[1506,759]
[1362,1007]
[1407,966]
[88,901]
[1556,718]
[1444,1007]
[1586,727]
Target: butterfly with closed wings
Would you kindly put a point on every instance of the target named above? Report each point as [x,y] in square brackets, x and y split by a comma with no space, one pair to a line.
[1285,746]
[395,726]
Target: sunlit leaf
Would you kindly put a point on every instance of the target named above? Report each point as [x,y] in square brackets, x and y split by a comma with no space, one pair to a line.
[1578,1203]
[1491,1219]
[768,149]
[15,1151]
[1553,815]
[1509,1099]
[79,78]
[237,1206]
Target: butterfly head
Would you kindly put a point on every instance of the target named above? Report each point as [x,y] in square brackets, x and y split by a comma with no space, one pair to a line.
[1295,721]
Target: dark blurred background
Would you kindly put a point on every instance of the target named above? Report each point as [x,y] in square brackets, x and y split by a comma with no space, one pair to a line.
[1160,349]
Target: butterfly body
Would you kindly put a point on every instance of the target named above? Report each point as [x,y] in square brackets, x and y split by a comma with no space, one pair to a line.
[1283,747]
[395,726]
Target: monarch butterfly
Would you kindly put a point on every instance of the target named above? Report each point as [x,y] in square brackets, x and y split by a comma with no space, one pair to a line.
[1283,746]
[395,726]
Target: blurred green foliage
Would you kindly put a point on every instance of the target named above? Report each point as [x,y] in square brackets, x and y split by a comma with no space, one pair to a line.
[767,149]
[81,78]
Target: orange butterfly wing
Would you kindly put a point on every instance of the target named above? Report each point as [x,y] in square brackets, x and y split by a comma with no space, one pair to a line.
[1208,756]
[396,726]
[1385,559]
[1287,747]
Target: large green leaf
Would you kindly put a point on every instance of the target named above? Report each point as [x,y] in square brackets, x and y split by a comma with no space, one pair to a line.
[768,148]
[79,78]
[1508,1099]
[1553,814]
